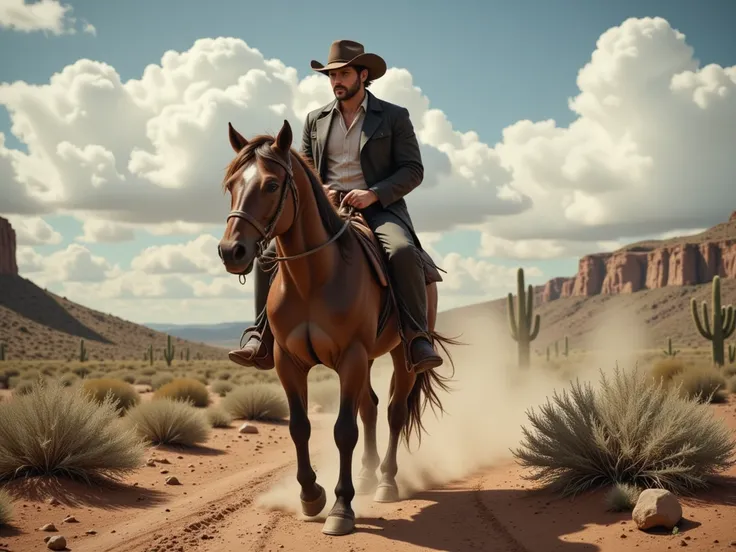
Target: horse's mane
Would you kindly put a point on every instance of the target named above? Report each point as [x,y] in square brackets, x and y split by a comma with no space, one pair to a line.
[260,146]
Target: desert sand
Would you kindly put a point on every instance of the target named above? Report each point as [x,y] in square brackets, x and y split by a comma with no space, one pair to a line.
[461,489]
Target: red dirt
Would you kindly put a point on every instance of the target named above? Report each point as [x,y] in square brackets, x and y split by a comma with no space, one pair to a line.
[216,509]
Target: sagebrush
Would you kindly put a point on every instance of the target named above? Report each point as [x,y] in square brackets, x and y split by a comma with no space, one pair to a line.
[57,430]
[169,421]
[633,430]
[257,401]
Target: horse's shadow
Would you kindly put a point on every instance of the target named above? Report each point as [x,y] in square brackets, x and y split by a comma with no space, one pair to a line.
[461,520]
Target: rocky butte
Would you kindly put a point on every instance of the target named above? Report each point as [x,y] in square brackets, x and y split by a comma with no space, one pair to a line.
[683,261]
[8,264]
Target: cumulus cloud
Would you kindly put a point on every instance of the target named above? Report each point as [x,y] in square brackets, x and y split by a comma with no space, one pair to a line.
[198,256]
[34,231]
[44,15]
[73,264]
[104,231]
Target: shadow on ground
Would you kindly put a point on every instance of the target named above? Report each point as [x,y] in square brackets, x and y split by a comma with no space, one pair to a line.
[98,494]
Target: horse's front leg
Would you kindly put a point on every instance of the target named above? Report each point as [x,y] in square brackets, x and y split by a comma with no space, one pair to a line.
[352,370]
[293,378]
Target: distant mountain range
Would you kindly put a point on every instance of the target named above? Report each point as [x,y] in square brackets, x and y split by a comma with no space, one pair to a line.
[224,334]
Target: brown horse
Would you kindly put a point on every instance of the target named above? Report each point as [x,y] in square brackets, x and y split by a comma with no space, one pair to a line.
[330,304]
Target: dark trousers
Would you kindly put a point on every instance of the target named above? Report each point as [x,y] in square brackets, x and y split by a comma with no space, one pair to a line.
[405,266]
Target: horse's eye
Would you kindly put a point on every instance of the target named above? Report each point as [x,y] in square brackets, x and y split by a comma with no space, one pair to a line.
[272,186]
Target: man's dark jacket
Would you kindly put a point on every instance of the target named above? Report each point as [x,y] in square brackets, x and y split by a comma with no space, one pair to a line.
[389,152]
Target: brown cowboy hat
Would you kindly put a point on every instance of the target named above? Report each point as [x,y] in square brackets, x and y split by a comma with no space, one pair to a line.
[348,52]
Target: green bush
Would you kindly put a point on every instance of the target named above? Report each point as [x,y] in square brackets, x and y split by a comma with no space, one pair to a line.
[632,431]
[257,401]
[188,389]
[56,430]
[124,394]
[169,422]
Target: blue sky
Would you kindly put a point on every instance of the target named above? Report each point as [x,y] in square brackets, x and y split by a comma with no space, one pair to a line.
[485,64]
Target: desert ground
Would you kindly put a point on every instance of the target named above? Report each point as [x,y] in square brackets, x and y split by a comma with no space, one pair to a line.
[462,488]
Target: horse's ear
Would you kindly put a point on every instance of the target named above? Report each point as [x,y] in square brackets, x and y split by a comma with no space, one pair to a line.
[237,141]
[284,137]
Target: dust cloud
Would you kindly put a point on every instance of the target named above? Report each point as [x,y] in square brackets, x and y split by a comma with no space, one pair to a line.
[484,410]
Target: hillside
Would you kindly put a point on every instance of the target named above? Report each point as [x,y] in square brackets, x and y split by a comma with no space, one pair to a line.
[650,315]
[37,324]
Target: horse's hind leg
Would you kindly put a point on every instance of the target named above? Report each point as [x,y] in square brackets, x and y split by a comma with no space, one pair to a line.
[402,382]
[367,481]
[352,369]
[294,381]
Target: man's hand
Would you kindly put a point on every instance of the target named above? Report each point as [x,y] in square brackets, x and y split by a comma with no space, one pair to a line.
[360,199]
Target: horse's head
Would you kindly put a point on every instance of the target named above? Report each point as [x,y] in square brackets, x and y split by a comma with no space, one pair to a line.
[259,180]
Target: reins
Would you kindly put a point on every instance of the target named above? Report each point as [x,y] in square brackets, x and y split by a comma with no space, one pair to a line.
[266,233]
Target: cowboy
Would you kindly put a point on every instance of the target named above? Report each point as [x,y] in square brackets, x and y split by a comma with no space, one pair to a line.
[366,154]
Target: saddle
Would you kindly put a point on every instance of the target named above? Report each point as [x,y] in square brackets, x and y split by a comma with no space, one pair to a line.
[376,258]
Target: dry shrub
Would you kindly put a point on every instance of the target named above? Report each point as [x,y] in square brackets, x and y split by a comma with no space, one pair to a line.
[705,384]
[667,368]
[325,393]
[56,430]
[729,371]
[159,380]
[221,387]
[732,384]
[124,394]
[6,508]
[258,401]
[69,379]
[188,389]
[23,387]
[218,416]
[632,430]
[622,498]
[169,422]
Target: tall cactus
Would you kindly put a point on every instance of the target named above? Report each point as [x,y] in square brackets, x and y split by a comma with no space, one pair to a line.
[169,351]
[523,331]
[721,326]
[2,351]
[732,353]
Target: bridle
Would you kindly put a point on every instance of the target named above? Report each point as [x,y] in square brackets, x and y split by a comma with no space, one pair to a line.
[266,232]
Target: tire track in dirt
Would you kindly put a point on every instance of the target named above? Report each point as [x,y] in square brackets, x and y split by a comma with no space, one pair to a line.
[194,528]
[497,529]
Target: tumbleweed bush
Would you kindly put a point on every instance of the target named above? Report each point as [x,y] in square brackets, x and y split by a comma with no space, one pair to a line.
[622,497]
[57,430]
[169,422]
[124,394]
[632,430]
[6,508]
[257,401]
[189,389]
[703,383]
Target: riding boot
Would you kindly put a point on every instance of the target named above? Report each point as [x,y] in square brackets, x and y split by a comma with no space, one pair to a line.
[258,349]
[410,290]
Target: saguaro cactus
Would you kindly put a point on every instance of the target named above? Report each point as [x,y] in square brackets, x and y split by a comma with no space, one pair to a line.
[83,356]
[2,351]
[669,351]
[732,353]
[522,329]
[169,351]
[720,327]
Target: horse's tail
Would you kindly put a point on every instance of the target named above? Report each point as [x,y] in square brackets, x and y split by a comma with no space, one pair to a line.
[425,391]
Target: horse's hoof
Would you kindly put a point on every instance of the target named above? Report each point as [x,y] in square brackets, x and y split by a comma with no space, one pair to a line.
[339,524]
[366,484]
[314,507]
[387,492]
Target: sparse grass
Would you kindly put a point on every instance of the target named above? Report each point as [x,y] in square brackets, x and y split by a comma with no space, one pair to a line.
[6,508]
[705,384]
[124,394]
[188,389]
[167,421]
[218,416]
[257,401]
[56,430]
[632,430]
[221,387]
[622,498]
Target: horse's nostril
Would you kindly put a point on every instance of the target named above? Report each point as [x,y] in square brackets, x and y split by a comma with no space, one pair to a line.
[238,252]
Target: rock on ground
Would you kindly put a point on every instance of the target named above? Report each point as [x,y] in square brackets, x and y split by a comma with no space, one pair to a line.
[657,508]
